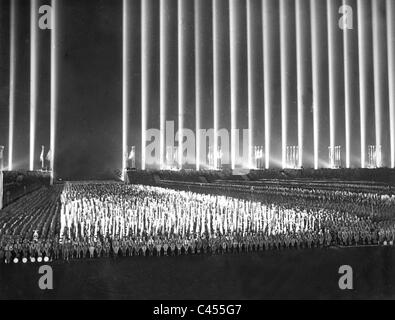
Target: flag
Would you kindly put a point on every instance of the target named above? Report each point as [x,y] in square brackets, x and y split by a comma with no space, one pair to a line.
[1,158]
[42,154]
[131,154]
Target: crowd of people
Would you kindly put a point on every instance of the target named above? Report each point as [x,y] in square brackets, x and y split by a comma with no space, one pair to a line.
[19,183]
[80,220]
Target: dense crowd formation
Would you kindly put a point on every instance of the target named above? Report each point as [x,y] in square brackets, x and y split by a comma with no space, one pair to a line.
[19,183]
[80,220]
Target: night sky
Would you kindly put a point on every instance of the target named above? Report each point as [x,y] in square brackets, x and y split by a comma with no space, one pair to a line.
[89,128]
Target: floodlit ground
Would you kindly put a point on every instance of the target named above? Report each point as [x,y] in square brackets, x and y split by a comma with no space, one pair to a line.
[269,275]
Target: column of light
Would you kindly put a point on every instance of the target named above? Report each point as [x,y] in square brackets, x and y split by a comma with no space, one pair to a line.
[363,76]
[250,55]
[300,55]
[125,84]
[391,73]
[13,49]
[33,79]
[54,84]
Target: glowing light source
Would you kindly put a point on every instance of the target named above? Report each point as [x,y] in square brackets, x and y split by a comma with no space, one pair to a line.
[391,73]
[363,76]
[13,45]
[33,79]
[315,75]
[125,85]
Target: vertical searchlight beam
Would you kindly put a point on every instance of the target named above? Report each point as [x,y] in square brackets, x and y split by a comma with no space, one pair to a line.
[363,76]
[347,90]
[332,26]
[13,49]
[300,56]
[267,78]
[182,68]
[391,73]
[125,84]
[163,16]
[377,71]
[216,75]
[250,55]
[315,77]
[54,86]
[285,68]
[144,76]
[199,84]
[233,78]
[34,47]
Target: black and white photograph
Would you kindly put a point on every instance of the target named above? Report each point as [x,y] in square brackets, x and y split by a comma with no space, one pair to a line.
[198,154]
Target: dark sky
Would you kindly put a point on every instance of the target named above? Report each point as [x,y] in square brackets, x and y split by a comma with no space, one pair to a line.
[89,128]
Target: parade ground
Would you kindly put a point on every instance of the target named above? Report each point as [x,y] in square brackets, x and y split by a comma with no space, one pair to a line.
[287,274]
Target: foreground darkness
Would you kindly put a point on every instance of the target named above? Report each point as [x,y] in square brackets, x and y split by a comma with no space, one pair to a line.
[288,274]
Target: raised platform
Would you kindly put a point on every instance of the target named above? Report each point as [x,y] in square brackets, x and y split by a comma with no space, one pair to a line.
[381,176]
